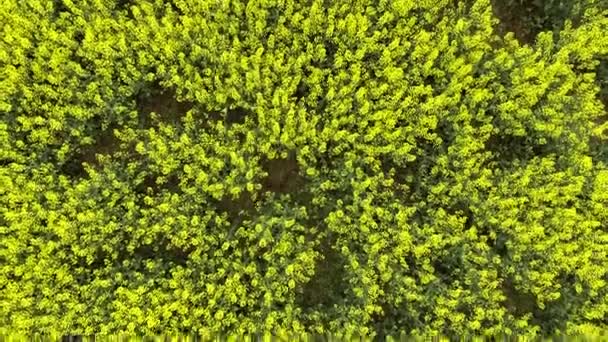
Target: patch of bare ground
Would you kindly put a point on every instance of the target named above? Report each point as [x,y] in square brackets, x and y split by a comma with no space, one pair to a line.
[156,104]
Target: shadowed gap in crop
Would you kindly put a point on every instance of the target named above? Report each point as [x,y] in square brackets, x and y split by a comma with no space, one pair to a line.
[602,80]
[283,175]
[508,149]
[328,286]
[527,18]
[157,104]
[599,147]
[105,143]
[554,316]
[154,104]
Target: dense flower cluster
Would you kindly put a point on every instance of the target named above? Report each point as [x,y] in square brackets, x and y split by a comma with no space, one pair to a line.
[345,166]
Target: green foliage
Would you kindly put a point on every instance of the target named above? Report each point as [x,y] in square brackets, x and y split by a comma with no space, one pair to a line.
[355,167]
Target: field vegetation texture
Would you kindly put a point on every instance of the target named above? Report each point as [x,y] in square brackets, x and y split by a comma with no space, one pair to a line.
[347,166]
